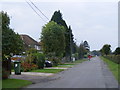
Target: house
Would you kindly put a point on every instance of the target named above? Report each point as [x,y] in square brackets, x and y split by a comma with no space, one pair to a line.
[30,42]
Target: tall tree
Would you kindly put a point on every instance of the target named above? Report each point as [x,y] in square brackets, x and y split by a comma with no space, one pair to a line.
[106,49]
[117,51]
[71,39]
[11,42]
[53,39]
[57,17]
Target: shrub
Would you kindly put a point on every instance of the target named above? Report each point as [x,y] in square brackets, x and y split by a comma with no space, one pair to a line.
[40,60]
[114,58]
[55,61]
[34,66]
[27,67]
[33,61]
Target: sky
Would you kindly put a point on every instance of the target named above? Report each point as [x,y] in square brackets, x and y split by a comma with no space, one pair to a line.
[95,21]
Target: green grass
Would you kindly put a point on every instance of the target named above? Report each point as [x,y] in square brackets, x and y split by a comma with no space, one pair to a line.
[64,66]
[79,61]
[12,70]
[112,66]
[15,83]
[70,64]
[0,84]
[48,70]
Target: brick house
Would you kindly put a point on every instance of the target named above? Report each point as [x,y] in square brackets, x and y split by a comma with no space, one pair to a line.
[30,42]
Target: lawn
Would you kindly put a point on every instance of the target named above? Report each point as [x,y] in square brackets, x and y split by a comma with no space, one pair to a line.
[48,70]
[70,64]
[79,61]
[76,62]
[112,66]
[0,84]
[64,66]
[14,83]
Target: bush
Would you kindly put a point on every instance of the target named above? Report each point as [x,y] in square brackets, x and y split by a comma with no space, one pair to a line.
[33,61]
[34,66]
[40,60]
[55,61]
[114,58]
[27,67]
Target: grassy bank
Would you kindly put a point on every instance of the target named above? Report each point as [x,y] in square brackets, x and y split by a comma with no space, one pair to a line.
[14,83]
[112,66]
[47,70]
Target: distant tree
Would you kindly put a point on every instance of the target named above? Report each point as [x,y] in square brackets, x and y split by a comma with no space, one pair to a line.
[11,42]
[106,49]
[81,51]
[95,52]
[53,39]
[117,51]
[86,45]
[71,39]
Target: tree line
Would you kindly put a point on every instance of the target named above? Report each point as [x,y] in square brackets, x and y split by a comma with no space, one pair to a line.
[106,50]
[58,40]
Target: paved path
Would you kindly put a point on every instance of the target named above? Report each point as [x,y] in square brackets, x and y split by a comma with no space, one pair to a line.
[89,74]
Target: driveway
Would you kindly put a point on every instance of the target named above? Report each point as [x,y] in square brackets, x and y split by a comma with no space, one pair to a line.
[88,74]
[34,77]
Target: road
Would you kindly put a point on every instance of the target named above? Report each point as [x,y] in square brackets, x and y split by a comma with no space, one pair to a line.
[89,74]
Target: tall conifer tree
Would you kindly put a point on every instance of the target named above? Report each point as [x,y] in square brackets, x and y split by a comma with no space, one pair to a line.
[57,17]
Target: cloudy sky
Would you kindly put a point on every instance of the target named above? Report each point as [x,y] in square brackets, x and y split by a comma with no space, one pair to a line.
[95,21]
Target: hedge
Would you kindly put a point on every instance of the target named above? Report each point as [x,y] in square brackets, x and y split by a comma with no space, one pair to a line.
[114,58]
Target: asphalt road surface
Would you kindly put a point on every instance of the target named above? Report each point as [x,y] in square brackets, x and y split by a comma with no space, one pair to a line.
[89,74]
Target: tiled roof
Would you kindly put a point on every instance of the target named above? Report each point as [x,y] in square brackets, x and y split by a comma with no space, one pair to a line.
[28,40]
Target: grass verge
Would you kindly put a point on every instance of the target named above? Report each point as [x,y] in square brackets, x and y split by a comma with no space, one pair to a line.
[68,64]
[112,66]
[79,61]
[14,83]
[48,70]
[71,64]
[64,66]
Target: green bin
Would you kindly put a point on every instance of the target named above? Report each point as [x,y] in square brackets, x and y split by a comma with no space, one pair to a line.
[17,67]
